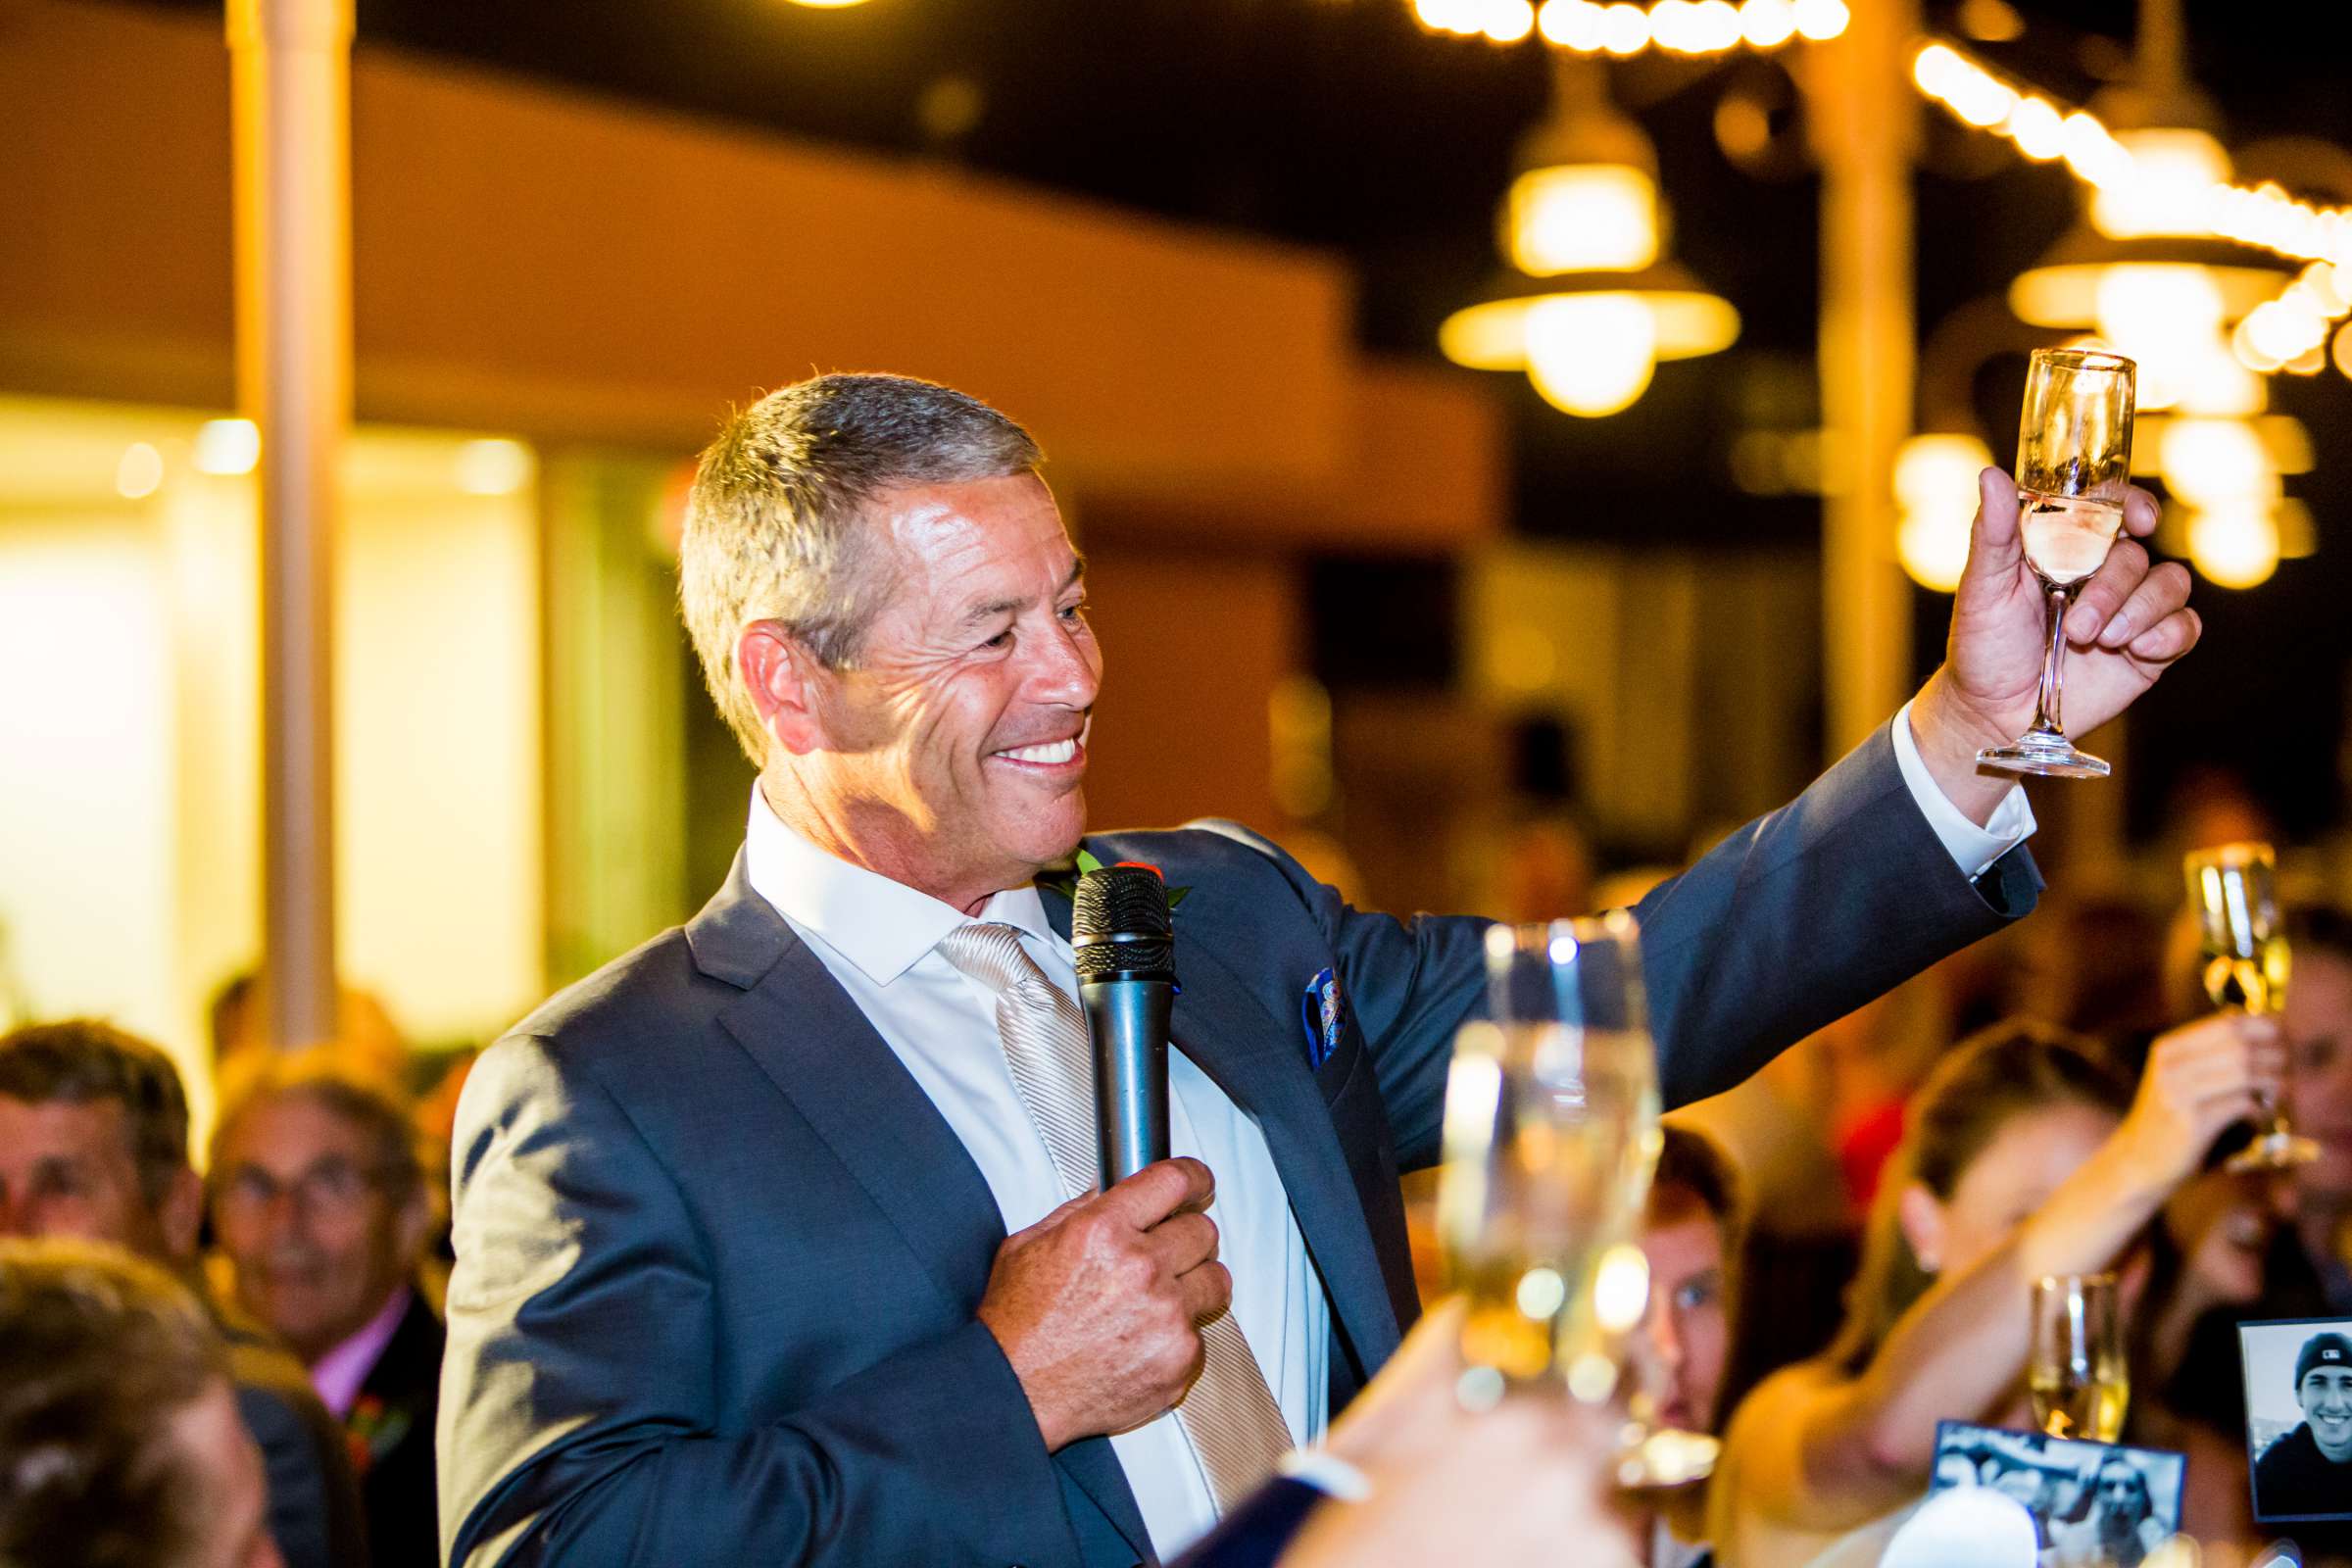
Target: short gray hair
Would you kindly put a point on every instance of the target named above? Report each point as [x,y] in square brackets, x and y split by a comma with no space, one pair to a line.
[774,524]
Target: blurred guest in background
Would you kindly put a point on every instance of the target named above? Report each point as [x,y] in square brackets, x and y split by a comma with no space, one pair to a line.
[119,1439]
[2317,1019]
[2021,1160]
[319,1203]
[1691,1234]
[365,1032]
[94,1143]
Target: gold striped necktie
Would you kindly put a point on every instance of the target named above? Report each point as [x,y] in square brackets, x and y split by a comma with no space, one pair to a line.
[1236,1428]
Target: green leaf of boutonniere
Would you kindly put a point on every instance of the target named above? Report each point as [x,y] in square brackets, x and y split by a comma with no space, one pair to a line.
[1064,880]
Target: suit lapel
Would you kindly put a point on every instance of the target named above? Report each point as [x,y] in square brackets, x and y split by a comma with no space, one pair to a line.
[1230,1033]
[824,1056]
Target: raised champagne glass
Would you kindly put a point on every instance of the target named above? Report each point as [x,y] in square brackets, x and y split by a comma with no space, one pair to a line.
[1550,1135]
[2233,890]
[2074,468]
[2076,1373]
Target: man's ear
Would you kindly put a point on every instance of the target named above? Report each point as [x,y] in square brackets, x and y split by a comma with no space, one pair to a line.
[180,1217]
[786,684]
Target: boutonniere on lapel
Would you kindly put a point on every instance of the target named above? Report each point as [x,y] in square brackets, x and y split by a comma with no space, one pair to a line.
[370,1430]
[1063,879]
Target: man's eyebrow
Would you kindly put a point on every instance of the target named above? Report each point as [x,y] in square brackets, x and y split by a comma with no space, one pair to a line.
[989,609]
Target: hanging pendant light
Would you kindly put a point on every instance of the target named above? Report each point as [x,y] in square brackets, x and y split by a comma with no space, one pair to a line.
[1590,306]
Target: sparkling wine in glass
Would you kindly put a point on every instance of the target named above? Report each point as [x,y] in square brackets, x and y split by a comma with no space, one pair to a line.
[1550,1135]
[2074,467]
[2075,1372]
[2234,889]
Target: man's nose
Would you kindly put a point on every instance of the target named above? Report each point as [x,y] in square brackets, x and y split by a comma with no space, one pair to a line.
[1064,675]
[1664,1340]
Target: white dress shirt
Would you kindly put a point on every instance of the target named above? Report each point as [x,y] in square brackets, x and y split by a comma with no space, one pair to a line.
[879,938]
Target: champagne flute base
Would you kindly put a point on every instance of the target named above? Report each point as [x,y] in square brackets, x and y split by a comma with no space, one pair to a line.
[2043,754]
[2275,1149]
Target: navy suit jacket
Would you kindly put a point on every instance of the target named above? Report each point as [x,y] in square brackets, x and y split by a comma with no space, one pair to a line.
[718,1255]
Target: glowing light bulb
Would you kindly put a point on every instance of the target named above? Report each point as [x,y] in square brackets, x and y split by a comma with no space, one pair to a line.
[1574,218]
[2218,464]
[2235,546]
[1508,21]
[2037,129]
[1577,24]
[1936,483]
[227,447]
[493,467]
[140,473]
[2173,174]
[1767,24]
[1624,29]
[1591,355]
[1822,19]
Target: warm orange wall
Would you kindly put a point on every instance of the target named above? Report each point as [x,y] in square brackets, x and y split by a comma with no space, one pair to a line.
[1192,648]
[560,265]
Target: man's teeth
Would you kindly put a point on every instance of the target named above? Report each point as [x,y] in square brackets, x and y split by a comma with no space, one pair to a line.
[1050,753]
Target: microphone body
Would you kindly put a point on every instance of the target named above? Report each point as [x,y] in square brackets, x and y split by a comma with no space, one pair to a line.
[1125,954]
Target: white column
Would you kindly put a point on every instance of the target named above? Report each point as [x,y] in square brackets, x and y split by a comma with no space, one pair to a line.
[291,82]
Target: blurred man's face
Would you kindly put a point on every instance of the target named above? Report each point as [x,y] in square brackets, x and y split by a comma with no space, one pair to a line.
[2317,1018]
[2325,1396]
[65,1169]
[228,1469]
[954,751]
[312,1221]
[1683,1344]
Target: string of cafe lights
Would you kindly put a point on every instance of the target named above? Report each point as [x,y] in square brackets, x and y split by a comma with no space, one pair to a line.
[1624,29]
[2287,332]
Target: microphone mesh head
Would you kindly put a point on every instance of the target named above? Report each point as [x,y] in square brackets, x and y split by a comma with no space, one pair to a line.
[1119,926]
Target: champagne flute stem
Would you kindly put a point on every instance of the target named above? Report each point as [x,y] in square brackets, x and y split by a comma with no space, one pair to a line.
[2053,676]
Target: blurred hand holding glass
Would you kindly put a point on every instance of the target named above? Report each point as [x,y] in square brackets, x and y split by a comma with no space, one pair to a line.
[1550,1135]
[2076,1371]
[2233,891]
[2074,468]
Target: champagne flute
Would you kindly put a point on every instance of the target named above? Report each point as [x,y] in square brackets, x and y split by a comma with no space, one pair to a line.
[2074,467]
[2076,1374]
[1550,1135]
[2234,888]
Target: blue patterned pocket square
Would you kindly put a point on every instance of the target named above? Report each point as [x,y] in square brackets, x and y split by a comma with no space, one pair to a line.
[1324,1012]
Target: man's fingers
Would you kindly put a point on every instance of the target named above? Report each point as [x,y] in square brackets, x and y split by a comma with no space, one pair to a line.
[1163,1188]
[2140,512]
[2161,592]
[1206,1289]
[1994,546]
[2176,634]
[1185,1241]
[2099,599]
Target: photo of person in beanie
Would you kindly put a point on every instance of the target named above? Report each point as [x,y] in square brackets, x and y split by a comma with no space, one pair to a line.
[2304,1472]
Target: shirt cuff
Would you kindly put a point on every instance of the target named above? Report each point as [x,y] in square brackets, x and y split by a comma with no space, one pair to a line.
[1327,1473]
[1972,848]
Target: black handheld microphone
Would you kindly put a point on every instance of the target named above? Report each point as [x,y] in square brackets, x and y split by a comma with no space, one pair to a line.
[1126,958]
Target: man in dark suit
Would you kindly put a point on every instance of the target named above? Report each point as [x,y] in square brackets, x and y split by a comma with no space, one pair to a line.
[94,1143]
[321,1206]
[771,1239]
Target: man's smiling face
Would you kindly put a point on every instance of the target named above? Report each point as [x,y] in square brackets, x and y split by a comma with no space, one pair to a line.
[2325,1394]
[953,750]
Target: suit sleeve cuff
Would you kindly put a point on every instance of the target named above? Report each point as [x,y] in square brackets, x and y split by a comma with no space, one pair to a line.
[1327,1473]
[1973,849]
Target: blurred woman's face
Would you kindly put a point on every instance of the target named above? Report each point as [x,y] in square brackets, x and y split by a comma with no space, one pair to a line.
[2010,1178]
